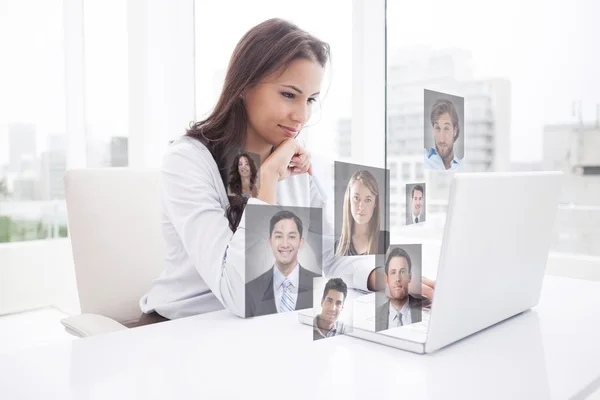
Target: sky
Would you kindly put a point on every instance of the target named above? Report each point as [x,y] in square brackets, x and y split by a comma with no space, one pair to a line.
[546,49]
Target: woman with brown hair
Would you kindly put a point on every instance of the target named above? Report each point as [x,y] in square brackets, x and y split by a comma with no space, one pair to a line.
[243,176]
[272,82]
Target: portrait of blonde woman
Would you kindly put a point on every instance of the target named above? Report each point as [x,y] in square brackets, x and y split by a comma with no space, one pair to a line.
[361,217]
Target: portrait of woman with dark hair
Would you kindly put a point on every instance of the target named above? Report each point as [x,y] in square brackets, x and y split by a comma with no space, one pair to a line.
[243,176]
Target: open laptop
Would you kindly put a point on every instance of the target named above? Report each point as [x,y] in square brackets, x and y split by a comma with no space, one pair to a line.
[495,246]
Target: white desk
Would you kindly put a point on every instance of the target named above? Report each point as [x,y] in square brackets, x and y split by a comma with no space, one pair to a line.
[551,352]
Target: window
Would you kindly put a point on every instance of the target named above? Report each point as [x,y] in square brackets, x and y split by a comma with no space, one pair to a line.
[32,121]
[214,20]
[33,134]
[419,171]
[515,102]
[406,171]
[106,78]
[393,170]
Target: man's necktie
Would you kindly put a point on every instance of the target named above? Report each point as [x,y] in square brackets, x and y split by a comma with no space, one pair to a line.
[399,323]
[287,301]
[416,220]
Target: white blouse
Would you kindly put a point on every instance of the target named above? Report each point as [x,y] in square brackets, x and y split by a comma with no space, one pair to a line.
[205,261]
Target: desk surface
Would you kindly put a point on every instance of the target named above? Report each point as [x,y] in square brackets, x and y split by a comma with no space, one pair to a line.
[552,351]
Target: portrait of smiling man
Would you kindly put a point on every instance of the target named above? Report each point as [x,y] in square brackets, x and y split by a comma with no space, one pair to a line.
[286,285]
[327,322]
[415,203]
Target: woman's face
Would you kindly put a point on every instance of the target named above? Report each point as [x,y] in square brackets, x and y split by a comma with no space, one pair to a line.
[281,104]
[362,202]
[244,167]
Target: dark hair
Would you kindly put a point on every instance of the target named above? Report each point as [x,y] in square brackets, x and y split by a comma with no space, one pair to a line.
[285,215]
[235,180]
[335,284]
[443,106]
[417,188]
[268,47]
[397,252]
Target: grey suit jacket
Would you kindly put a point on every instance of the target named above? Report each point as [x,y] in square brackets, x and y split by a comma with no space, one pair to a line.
[260,297]
[382,312]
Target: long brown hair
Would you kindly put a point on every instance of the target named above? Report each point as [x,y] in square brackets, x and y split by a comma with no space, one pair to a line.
[367,179]
[235,180]
[268,47]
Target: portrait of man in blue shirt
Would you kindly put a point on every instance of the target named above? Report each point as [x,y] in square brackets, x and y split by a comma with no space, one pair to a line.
[446,131]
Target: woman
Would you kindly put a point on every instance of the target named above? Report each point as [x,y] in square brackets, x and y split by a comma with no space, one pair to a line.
[361,218]
[273,79]
[243,174]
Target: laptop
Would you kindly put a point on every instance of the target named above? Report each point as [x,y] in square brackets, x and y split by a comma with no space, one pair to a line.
[491,266]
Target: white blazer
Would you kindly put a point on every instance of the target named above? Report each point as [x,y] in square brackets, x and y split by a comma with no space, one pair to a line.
[205,262]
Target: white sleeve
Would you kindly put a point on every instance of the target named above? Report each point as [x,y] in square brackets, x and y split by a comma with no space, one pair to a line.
[192,205]
[354,270]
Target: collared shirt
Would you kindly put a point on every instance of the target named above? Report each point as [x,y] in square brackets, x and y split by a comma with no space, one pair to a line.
[393,320]
[278,278]
[338,329]
[434,161]
[415,216]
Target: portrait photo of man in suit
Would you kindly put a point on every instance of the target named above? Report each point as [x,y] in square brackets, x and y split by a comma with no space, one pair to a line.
[415,203]
[399,308]
[286,285]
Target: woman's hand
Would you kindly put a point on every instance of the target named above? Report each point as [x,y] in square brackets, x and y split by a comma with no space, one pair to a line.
[289,158]
[427,287]
[376,280]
